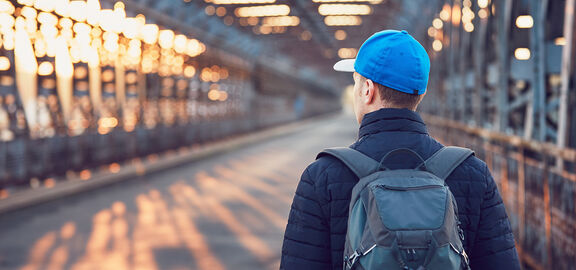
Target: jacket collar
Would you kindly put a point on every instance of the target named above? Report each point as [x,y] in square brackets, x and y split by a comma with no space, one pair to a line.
[391,120]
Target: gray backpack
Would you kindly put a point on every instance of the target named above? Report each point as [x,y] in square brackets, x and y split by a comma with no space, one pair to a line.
[405,218]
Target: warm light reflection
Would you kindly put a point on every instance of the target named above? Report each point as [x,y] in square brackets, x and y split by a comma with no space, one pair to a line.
[112,20]
[64,73]
[347,52]
[522,53]
[166,39]
[444,15]
[180,43]
[40,251]
[26,67]
[281,21]
[29,13]
[189,71]
[6,22]
[55,38]
[437,45]
[85,174]
[6,7]
[344,9]
[260,11]
[469,27]
[149,33]
[456,14]
[78,10]
[524,21]
[560,41]
[132,27]
[437,23]
[255,179]
[108,122]
[61,7]
[45,69]
[250,241]
[483,3]
[93,11]
[483,13]
[4,63]
[4,194]
[340,35]
[114,167]
[374,2]
[232,2]
[431,31]
[45,5]
[342,20]
[128,233]
[246,198]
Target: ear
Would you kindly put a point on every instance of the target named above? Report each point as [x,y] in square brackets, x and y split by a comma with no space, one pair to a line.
[369,92]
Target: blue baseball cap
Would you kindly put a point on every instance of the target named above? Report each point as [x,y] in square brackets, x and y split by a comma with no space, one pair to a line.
[393,59]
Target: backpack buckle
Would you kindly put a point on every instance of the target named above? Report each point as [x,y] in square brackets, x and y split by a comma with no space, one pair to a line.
[351,261]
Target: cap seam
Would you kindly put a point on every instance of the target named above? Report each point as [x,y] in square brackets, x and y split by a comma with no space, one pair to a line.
[383,58]
[420,68]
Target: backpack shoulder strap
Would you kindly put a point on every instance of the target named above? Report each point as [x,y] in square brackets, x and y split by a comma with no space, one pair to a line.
[446,160]
[359,163]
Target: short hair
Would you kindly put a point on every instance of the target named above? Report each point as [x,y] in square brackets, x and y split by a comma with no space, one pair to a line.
[397,98]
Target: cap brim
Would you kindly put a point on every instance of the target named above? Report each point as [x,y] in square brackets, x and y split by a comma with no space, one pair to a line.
[346,65]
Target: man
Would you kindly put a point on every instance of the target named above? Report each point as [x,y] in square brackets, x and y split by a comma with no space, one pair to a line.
[390,79]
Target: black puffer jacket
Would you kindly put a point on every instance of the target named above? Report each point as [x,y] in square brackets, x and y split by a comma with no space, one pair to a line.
[316,229]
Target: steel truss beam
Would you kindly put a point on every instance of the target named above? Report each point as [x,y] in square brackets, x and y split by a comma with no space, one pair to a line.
[523,101]
[210,30]
[505,7]
[567,58]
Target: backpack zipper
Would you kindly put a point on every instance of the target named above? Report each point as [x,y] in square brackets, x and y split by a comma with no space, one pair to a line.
[408,188]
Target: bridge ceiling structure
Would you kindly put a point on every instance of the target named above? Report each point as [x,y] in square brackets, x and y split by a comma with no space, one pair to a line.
[302,37]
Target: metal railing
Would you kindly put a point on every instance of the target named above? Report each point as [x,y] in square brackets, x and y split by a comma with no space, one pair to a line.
[539,197]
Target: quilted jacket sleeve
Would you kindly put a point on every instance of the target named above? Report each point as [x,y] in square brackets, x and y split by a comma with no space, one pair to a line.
[307,237]
[494,244]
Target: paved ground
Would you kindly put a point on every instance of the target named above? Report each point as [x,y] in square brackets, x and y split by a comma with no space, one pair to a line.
[225,212]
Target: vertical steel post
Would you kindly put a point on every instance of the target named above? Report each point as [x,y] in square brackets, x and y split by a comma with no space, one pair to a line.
[463,71]
[453,37]
[530,115]
[504,14]
[541,65]
[530,111]
[567,54]
[480,76]
[537,117]
[547,214]
[521,193]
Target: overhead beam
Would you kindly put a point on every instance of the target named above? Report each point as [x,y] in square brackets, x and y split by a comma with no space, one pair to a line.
[213,35]
[312,21]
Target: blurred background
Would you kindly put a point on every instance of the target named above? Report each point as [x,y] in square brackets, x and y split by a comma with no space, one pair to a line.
[170,134]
